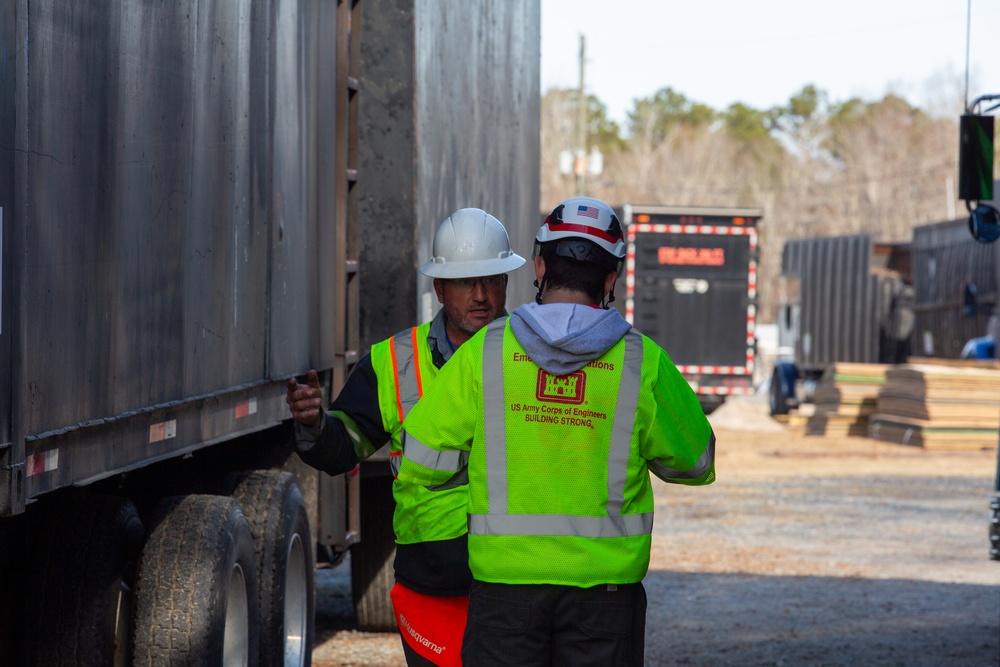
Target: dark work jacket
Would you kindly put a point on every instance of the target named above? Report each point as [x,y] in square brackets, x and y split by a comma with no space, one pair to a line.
[431,568]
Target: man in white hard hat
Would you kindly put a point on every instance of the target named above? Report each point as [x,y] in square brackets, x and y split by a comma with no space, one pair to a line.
[471,258]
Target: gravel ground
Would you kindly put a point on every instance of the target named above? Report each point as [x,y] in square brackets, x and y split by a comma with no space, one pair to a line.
[825,551]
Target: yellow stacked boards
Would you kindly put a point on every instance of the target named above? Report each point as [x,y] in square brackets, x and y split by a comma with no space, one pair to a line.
[940,405]
[845,398]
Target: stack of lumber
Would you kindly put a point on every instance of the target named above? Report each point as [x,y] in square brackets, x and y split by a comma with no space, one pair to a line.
[845,397]
[952,406]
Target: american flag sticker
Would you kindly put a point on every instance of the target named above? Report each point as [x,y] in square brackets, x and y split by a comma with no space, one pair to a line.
[587,211]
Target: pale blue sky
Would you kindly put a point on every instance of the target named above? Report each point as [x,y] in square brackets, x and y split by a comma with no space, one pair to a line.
[762,52]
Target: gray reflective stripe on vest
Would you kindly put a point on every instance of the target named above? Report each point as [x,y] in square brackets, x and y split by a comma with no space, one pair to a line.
[495,415]
[701,466]
[561,525]
[621,431]
[498,522]
[406,379]
[406,370]
[452,460]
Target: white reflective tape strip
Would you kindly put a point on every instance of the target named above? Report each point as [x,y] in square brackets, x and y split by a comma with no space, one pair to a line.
[495,415]
[163,431]
[561,525]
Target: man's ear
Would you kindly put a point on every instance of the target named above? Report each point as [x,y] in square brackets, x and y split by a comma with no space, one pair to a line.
[539,268]
[439,289]
[609,281]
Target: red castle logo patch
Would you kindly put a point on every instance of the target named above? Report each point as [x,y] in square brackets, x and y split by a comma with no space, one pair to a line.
[561,388]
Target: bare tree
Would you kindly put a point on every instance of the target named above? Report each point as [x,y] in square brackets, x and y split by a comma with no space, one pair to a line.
[815,169]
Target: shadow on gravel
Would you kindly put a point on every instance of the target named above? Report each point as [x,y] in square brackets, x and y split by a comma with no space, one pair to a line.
[722,619]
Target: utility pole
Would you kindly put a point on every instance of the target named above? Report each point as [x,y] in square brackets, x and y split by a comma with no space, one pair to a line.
[580,163]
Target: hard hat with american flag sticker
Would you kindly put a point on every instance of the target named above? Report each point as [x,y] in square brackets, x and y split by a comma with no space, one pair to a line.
[584,218]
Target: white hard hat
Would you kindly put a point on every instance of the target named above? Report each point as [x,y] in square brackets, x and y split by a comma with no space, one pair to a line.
[471,243]
[584,218]
[588,219]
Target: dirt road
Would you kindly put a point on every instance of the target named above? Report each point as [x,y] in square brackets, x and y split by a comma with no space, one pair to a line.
[812,551]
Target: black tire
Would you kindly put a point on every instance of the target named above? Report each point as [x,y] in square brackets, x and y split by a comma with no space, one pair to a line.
[83,555]
[196,590]
[372,575]
[273,504]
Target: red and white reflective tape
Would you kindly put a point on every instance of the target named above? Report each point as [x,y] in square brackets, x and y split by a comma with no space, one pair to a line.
[246,408]
[716,391]
[750,232]
[720,230]
[715,370]
[39,462]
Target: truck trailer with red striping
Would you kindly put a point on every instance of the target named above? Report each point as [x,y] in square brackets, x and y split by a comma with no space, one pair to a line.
[691,286]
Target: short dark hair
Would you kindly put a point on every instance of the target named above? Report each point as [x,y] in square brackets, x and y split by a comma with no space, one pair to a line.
[563,271]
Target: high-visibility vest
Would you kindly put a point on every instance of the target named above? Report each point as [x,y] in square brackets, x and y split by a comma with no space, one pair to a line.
[404,367]
[558,467]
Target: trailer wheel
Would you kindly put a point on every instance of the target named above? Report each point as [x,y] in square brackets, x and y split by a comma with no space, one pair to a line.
[372,576]
[83,556]
[783,388]
[273,504]
[196,590]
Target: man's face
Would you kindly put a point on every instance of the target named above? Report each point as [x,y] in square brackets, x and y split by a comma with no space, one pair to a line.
[471,303]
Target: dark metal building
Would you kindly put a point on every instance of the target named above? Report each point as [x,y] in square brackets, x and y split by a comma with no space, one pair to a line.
[850,301]
[955,288]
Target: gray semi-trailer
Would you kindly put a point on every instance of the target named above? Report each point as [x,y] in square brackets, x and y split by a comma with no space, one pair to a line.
[844,299]
[197,203]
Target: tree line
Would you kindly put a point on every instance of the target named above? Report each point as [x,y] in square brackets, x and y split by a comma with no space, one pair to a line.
[816,167]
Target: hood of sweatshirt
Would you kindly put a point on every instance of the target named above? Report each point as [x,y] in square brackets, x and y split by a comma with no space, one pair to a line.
[565,337]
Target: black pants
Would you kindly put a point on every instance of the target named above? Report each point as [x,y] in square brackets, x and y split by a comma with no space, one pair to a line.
[413,659]
[546,625]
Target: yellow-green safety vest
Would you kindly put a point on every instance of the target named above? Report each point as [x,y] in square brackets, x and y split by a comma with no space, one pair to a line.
[404,367]
[558,467]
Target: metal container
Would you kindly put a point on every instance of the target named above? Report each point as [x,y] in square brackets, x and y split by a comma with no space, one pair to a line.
[691,286]
[161,194]
[851,302]
[450,113]
[192,193]
[955,285]
[200,199]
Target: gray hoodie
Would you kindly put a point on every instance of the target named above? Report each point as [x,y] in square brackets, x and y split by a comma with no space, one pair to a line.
[565,337]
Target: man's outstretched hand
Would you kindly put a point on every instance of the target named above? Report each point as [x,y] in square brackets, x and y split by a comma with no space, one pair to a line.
[305,401]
